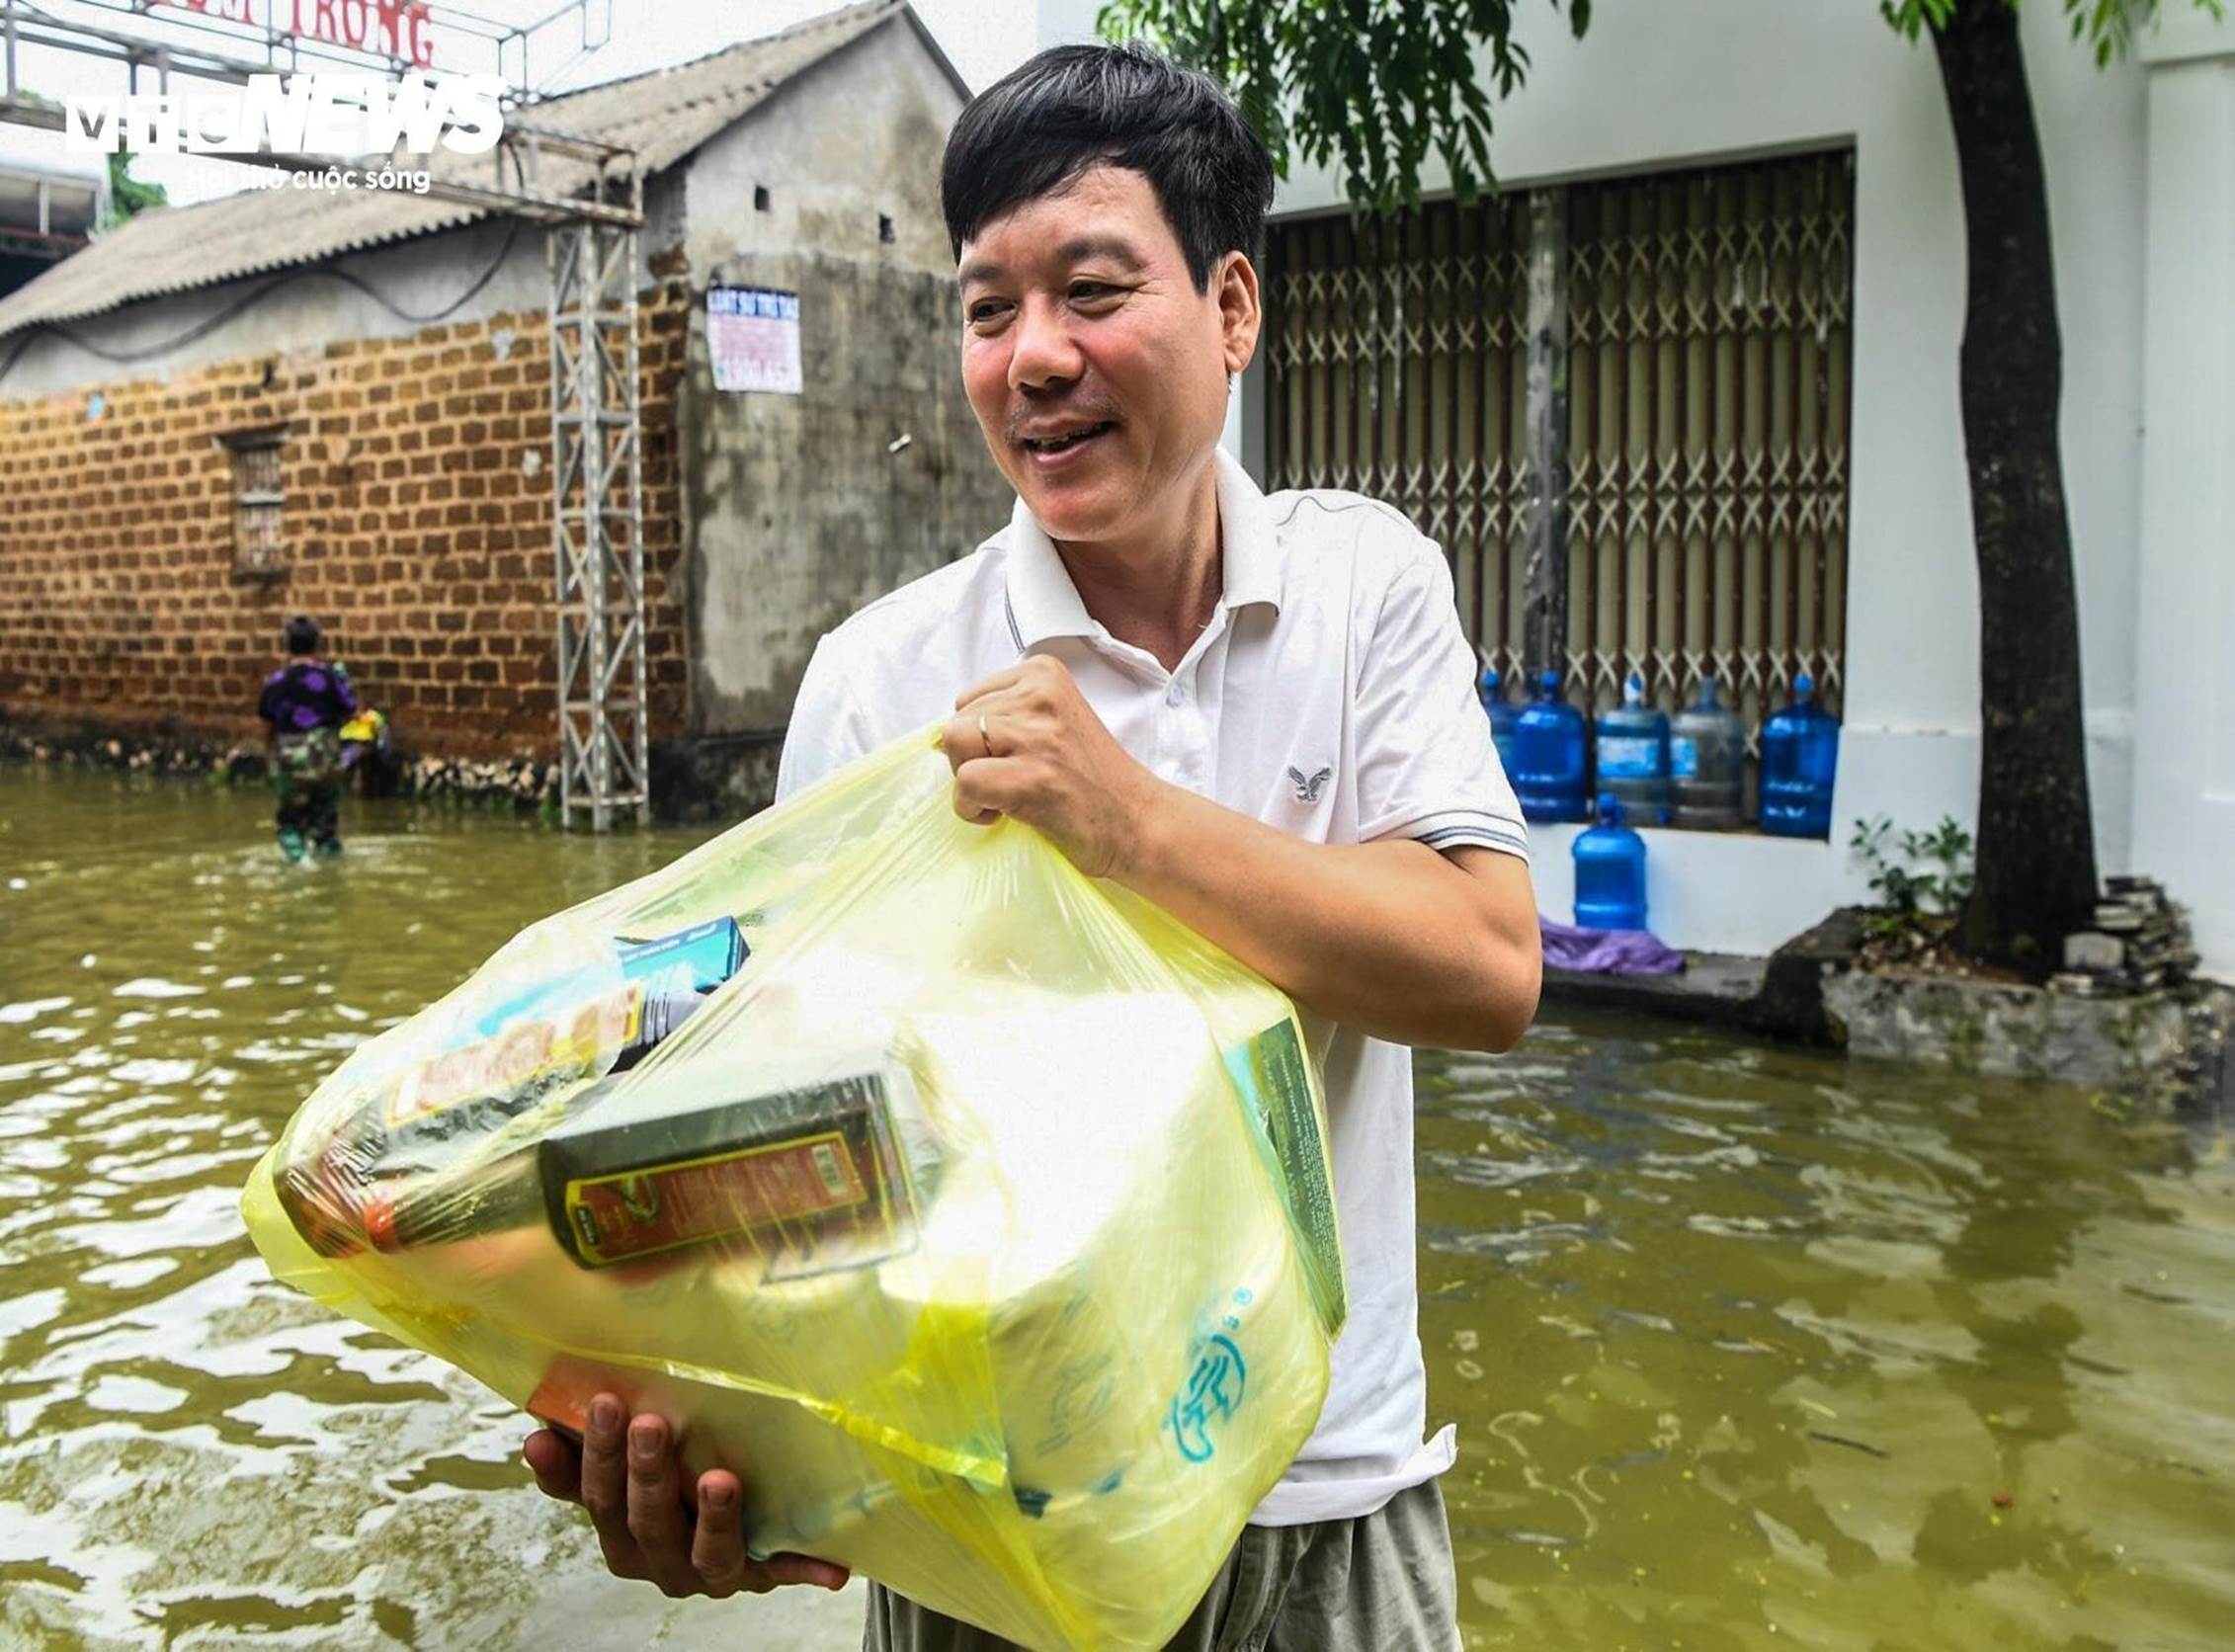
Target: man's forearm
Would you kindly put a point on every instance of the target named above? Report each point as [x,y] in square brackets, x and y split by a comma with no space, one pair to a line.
[1394,938]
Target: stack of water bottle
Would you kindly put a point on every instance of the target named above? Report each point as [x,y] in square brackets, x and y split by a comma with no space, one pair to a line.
[1689,770]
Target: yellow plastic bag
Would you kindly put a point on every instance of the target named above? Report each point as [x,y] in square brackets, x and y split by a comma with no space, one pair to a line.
[977,1213]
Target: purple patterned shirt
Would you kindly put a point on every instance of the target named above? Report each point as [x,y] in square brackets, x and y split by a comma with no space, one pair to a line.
[304,694]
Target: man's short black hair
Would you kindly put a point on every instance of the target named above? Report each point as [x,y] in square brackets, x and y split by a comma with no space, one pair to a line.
[1074,107]
[301,633]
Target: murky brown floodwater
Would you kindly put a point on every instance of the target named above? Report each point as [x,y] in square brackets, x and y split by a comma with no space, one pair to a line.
[1744,1345]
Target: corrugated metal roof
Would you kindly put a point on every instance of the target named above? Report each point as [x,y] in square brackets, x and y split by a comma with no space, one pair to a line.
[663,115]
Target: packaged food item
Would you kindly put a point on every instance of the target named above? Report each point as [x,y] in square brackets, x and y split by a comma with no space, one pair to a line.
[701,957]
[977,1214]
[524,1050]
[806,1175]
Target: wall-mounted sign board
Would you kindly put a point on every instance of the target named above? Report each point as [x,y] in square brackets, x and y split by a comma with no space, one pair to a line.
[752,336]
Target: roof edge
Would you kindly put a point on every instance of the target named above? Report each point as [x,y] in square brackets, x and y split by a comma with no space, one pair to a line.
[807,25]
[894,14]
[280,269]
[852,23]
[937,52]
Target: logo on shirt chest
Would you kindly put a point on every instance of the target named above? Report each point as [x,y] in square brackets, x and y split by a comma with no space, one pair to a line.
[1308,788]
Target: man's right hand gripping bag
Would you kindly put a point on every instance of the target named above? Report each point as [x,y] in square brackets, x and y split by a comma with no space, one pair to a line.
[977,1213]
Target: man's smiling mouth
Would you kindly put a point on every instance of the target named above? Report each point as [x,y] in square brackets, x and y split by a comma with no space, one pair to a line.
[1069,439]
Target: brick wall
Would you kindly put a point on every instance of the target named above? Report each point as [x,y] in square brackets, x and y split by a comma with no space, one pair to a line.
[416,529]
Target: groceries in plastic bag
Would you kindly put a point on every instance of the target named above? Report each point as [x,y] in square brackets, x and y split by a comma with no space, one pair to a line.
[975,1213]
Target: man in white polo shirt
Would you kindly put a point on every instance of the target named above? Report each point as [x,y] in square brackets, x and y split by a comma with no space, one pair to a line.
[1258,712]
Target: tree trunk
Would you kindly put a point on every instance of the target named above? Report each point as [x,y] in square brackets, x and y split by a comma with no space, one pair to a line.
[2036,850]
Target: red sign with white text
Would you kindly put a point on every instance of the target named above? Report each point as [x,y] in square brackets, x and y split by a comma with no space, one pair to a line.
[401,30]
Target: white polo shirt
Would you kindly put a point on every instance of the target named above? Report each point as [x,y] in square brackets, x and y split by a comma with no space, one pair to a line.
[1332,695]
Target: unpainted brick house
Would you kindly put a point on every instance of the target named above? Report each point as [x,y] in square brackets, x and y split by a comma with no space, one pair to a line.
[339,403]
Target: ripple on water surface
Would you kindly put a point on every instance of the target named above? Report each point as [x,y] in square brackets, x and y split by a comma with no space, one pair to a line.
[1746,1348]
[1754,1348]
[191,1455]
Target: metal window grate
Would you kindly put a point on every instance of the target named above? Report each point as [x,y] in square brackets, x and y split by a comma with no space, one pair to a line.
[258,547]
[1707,452]
[1707,378]
[1395,356]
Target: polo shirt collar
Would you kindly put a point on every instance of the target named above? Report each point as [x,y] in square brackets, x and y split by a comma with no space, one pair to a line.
[1043,603]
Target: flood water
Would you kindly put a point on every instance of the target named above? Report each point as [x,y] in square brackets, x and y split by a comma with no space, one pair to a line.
[1748,1347]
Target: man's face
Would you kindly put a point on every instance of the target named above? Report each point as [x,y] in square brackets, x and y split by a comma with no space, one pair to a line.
[1097,369]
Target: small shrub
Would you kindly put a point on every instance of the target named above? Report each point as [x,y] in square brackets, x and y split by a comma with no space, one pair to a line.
[1920,880]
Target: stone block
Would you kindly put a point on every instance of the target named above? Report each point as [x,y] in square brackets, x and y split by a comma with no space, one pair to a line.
[2092,950]
[2079,1033]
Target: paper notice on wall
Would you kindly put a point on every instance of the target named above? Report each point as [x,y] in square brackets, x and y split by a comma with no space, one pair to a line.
[753,335]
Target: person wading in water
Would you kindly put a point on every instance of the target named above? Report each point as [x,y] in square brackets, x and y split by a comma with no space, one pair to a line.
[306,702]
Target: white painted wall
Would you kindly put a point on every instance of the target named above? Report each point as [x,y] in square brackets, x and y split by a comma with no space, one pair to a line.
[2185,747]
[829,172]
[1656,84]
[2141,168]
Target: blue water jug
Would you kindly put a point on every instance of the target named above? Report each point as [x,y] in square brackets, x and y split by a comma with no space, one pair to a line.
[1633,755]
[1707,762]
[1504,716]
[1610,871]
[1799,761]
[1548,756]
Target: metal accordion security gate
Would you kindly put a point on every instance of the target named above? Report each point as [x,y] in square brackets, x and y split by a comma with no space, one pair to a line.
[1700,337]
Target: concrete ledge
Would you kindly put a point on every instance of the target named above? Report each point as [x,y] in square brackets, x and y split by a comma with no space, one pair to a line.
[2172,1045]
[2007,1031]
[1781,996]
[2181,35]
[1715,987]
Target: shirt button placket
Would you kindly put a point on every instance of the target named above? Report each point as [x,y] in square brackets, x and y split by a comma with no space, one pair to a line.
[1171,748]
[1189,720]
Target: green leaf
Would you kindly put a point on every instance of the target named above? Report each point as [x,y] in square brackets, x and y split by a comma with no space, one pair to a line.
[126,193]
[1378,86]
[2108,25]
